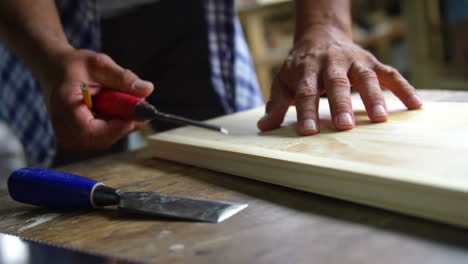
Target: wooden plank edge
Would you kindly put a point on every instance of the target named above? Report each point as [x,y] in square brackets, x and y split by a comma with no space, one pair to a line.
[401,174]
[443,205]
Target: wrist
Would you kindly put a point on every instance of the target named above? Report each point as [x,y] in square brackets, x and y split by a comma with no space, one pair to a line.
[49,68]
[322,33]
[318,17]
[50,62]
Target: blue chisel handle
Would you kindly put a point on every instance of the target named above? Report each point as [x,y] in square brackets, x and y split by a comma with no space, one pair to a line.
[56,189]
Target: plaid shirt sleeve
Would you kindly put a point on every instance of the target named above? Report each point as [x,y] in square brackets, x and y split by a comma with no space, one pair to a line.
[21,103]
[233,75]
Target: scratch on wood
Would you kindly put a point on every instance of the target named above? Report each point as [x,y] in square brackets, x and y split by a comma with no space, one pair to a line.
[163,233]
[35,221]
[176,247]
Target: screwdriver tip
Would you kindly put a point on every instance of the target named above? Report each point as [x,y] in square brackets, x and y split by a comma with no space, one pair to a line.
[224,131]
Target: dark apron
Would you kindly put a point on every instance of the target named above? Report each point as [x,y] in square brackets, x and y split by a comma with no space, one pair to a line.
[166,43]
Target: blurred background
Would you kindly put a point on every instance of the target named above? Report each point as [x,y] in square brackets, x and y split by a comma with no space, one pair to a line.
[426,40]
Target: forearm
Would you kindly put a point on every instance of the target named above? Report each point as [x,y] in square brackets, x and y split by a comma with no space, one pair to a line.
[32,31]
[313,15]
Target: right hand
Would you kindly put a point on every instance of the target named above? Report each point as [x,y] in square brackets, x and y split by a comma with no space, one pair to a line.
[75,126]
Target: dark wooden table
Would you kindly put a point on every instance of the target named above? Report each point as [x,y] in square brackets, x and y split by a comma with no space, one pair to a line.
[280,225]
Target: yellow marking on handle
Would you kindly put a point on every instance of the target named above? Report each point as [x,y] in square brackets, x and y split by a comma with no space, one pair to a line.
[86,95]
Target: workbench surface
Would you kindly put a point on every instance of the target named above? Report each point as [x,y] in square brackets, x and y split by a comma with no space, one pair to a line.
[280,225]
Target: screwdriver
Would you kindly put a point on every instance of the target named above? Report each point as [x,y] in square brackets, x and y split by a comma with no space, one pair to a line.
[124,106]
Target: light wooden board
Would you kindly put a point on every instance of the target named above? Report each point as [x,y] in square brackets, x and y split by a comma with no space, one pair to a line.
[416,163]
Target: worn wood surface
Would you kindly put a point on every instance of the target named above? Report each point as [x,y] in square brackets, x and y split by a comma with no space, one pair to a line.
[414,163]
[280,225]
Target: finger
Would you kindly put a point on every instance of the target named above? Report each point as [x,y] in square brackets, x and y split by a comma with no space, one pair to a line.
[391,79]
[366,83]
[307,101]
[94,88]
[89,133]
[339,97]
[276,107]
[111,75]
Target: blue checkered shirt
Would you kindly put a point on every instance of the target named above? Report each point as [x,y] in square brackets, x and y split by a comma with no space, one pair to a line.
[22,107]
[233,74]
[21,103]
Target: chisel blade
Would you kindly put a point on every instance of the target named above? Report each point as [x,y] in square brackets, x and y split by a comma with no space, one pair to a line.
[178,206]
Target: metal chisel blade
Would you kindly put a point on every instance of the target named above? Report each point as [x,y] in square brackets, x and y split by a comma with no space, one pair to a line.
[178,206]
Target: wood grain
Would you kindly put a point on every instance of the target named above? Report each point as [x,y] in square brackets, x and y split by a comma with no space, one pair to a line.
[281,225]
[415,163]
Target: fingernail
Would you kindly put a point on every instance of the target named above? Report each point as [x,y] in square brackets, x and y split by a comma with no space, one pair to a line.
[414,100]
[344,119]
[379,110]
[140,84]
[309,125]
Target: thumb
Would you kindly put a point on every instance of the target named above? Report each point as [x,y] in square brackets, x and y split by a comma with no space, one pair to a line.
[111,75]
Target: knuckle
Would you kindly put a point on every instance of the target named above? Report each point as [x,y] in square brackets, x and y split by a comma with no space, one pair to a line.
[389,71]
[100,60]
[312,55]
[335,80]
[308,81]
[306,93]
[305,61]
[301,67]
[365,74]
[335,57]
[374,97]
[369,56]
[393,73]
[126,76]
[342,106]
[342,100]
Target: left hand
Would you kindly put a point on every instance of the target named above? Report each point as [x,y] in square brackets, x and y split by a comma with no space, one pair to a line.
[328,61]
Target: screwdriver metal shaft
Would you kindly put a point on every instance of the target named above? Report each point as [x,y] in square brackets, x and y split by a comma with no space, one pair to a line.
[185,121]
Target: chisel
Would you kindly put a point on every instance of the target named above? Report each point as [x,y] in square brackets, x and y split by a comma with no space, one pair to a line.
[124,106]
[61,190]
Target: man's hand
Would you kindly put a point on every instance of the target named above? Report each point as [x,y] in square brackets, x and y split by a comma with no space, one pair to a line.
[74,125]
[32,30]
[324,59]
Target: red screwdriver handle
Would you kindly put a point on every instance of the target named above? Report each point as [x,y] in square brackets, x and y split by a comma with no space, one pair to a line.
[116,104]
